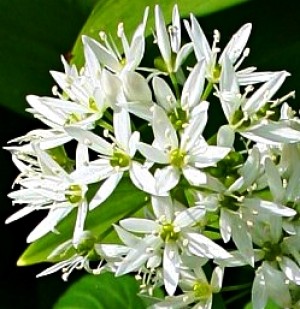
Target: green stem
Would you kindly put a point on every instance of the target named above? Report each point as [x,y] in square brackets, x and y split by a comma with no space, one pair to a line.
[236,297]
[108,115]
[236,287]
[207,91]
[105,125]
[175,85]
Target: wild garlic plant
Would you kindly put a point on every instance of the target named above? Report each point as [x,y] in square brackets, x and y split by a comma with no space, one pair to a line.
[218,196]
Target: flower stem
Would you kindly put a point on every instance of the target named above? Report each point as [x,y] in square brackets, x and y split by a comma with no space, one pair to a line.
[236,297]
[207,91]
[175,85]
[236,287]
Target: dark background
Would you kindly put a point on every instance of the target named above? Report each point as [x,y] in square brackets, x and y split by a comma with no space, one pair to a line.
[274,43]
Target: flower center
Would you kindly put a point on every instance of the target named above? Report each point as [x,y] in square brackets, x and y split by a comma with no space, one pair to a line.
[86,246]
[178,118]
[202,290]
[168,233]
[177,158]
[120,158]
[272,251]
[74,194]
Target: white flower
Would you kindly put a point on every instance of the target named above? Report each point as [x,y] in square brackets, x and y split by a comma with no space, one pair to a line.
[235,51]
[84,252]
[197,290]
[190,99]
[237,210]
[186,155]
[170,43]
[247,115]
[53,189]
[108,55]
[172,233]
[115,158]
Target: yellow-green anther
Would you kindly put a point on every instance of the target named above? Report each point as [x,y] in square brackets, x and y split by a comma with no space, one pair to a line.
[177,158]
[74,194]
[73,118]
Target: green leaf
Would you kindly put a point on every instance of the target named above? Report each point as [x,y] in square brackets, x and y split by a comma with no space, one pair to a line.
[104,291]
[270,305]
[125,200]
[107,14]
[33,35]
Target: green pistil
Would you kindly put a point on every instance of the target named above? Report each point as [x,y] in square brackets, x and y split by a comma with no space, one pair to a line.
[74,194]
[120,159]
[177,158]
[202,290]
[86,246]
[216,72]
[73,118]
[93,105]
[168,233]
[272,251]
[178,118]
[239,120]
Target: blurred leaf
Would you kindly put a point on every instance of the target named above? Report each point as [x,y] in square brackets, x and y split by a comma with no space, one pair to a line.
[125,200]
[218,302]
[270,305]
[102,292]
[108,14]
[33,34]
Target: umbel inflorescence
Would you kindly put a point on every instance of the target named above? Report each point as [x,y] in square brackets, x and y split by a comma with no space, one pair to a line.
[226,199]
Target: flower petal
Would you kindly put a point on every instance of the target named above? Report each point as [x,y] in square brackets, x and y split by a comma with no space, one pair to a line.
[137,225]
[105,190]
[189,216]
[171,268]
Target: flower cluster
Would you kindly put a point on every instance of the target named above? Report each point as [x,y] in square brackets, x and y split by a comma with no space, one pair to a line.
[227,196]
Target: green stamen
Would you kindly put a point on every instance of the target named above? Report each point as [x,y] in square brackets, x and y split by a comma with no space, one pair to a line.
[120,158]
[178,118]
[93,105]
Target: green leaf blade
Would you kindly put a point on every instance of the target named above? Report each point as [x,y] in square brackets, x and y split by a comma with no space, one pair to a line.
[108,14]
[103,291]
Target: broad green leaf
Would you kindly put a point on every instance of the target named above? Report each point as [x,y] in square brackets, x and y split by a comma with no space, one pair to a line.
[125,200]
[270,305]
[108,14]
[102,292]
[33,35]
